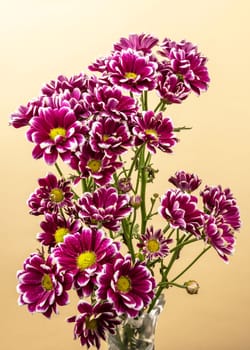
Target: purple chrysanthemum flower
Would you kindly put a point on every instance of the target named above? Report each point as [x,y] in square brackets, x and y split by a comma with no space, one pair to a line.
[83,254]
[124,184]
[104,207]
[180,210]
[109,101]
[130,287]
[55,132]
[220,235]
[170,86]
[63,83]
[221,204]
[153,244]
[42,285]
[52,195]
[185,181]
[142,42]
[187,63]
[93,322]
[132,71]
[155,130]
[55,227]
[110,136]
[25,113]
[95,164]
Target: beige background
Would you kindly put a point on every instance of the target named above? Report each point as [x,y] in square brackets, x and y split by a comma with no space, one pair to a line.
[42,39]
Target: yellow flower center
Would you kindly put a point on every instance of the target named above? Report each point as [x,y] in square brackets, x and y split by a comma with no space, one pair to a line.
[46,282]
[60,233]
[105,137]
[57,132]
[91,324]
[153,245]
[94,165]
[123,284]
[151,132]
[56,195]
[86,260]
[130,75]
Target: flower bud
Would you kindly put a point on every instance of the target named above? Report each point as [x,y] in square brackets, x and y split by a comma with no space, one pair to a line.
[124,184]
[135,201]
[192,287]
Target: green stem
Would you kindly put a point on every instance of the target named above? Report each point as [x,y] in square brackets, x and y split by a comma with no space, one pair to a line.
[143,190]
[158,106]
[191,264]
[59,170]
[135,159]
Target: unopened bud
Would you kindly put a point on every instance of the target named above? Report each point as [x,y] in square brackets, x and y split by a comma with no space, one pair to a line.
[135,201]
[192,287]
[124,185]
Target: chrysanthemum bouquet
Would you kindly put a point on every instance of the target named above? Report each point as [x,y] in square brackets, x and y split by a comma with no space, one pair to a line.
[98,235]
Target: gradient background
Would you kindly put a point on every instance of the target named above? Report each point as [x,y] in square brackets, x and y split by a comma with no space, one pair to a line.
[42,39]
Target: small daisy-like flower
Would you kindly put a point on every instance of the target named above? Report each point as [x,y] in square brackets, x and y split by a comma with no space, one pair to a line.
[180,210]
[155,130]
[55,132]
[42,285]
[83,254]
[63,83]
[142,42]
[132,71]
[112,137]
[55,227]
[124,184]
[95,164]
[185,181]
[221,204]
[52,195]
[93,322]
[24,114]
[187,63]
[104,207]
[109,101]
[130,287]
[220,235]
[154,245]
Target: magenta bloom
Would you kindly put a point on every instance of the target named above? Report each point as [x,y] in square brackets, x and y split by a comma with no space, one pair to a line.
[42,285]
[55,132]
[185,181]
[220,235]
[180,210]
[55,227]
[130,287]
[93,322]
[187,63]
[153,244]
[142,42]
[95,164]
[83,254]
[108,101]
[63,83]
[132,71]
[221,204]
[104,207]
[155,130]
[52,195]
[112,137]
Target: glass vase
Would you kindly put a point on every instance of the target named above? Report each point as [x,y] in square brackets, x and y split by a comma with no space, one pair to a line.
[137,333]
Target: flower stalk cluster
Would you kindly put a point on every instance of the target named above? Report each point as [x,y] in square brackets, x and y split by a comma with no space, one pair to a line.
[89,122]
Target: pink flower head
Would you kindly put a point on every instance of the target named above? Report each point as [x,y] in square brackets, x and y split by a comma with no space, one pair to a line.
[142,43]
[220,235]
[83,254]
[180,210]
[93,322]
[52,195]
[187,63]
[95,164]
[221,204]
[104,207]
[55,132]
[55,227]
[153,244]
[155,130]
[132,71]
[63,83]
[42,285]
[185,181]
[130,287]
